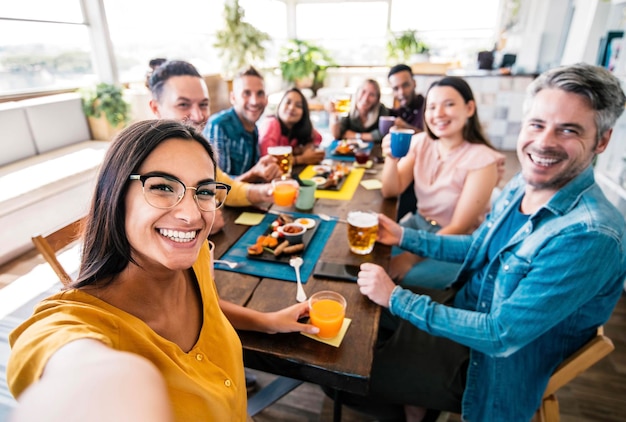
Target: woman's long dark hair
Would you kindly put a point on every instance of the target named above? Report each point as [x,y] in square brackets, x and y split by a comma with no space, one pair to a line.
[106,250]
[473,130]
[302,131]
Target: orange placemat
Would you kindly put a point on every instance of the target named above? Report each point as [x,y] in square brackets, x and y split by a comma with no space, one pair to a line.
[347,190]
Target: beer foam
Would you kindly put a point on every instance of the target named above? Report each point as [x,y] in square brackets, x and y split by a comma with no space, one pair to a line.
[362,219]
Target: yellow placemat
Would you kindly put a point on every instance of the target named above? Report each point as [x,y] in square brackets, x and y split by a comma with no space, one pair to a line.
[335,341]
[347,190]
[249,218]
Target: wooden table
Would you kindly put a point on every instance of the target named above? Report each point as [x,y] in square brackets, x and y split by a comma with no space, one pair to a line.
[346,368]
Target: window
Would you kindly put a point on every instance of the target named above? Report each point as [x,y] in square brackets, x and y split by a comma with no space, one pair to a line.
[354,32]
[451,36]
[30,62]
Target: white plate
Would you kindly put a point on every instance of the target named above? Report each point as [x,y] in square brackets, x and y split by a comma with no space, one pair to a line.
[319,180]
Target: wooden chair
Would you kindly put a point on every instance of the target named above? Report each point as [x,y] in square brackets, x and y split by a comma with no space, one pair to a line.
[592,352]
[52,243]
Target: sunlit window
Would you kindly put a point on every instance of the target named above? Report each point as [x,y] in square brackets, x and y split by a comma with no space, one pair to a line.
[353,32]
[43,46]
[471,28]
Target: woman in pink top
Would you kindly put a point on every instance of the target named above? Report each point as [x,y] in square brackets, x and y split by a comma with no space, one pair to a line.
[454,169]
[292,126]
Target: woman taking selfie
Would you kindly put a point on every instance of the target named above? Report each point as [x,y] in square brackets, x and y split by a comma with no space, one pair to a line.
[142,334]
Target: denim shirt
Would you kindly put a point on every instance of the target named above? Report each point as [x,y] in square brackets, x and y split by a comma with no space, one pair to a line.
[538,301]
[237,149]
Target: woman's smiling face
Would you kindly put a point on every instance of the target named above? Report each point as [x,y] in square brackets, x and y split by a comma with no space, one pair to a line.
[290,109]
[447,112]
[170,238]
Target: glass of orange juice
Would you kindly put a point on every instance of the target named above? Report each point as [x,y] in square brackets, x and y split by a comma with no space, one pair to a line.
[285,191]
[327,310]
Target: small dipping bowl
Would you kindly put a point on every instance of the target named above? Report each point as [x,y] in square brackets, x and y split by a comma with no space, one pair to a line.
[292,232]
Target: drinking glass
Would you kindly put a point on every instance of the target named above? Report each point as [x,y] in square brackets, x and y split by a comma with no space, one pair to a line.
[327,310]
[285,191]
[342,104]
[362,231]
[284,155]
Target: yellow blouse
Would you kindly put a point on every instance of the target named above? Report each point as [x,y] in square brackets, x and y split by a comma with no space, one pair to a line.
[206,383]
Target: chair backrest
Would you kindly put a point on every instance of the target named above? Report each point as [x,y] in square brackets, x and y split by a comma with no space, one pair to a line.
[592,352]
[52,243]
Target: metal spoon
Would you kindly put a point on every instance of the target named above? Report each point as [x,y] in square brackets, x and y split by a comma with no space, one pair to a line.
[296,263]
[229,264]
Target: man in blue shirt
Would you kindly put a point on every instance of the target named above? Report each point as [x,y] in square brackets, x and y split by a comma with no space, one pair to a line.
[539,275]
[234,134]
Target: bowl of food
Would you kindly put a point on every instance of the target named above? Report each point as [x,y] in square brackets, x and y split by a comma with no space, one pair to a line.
[292,232]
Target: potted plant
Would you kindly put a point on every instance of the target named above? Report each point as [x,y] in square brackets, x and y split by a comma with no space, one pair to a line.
[304,63]
[406,47]
[239,42]
[106,110]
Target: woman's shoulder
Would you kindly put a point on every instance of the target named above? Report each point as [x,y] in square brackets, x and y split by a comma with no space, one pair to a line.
[268,123]
[480,155]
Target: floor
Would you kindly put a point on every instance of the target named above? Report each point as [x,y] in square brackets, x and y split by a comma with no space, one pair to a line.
[596,395]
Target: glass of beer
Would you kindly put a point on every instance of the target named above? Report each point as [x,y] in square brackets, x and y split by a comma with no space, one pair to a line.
[342,104]
[362,231]
[284,155]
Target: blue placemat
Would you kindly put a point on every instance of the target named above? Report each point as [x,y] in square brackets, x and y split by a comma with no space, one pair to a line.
[338,157]
[278,270]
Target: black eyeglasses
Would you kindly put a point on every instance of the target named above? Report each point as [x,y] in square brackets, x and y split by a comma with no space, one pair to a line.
[166,192]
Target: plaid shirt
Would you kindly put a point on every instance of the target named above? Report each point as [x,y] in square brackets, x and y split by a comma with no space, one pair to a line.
[237,149]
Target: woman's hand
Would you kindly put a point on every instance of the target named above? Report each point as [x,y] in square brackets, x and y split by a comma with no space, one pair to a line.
[385,145]
[389,232]
[286,320]
[374,283]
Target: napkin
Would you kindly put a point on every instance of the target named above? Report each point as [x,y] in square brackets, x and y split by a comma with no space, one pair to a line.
[249,218]
[367,165]
[335,341]
[371,184]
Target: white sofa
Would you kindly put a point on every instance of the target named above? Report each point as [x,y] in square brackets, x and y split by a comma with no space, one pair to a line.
[48,167]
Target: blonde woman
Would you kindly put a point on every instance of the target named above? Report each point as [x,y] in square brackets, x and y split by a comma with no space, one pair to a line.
[362,121]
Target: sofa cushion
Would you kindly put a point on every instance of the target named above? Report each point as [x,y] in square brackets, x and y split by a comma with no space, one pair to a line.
[15,137]
[56,121]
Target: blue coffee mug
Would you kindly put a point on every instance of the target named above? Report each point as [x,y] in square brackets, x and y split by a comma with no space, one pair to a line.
[401,141]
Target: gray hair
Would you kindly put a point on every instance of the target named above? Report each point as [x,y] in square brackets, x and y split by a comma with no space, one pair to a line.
[597,85]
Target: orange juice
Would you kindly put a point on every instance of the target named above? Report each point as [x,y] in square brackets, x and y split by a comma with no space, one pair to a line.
[327,315]
[285,193]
